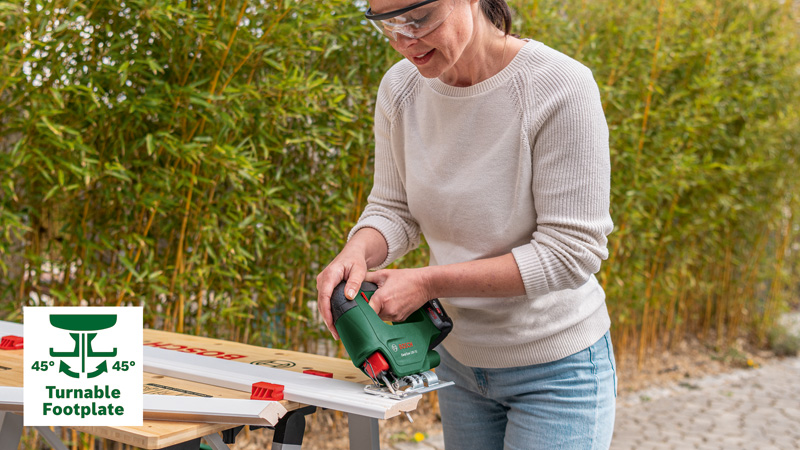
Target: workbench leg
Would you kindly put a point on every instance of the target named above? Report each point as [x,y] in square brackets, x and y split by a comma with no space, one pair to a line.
[215,442]
[364,433]
[51,438]
[289,431]
[10,430]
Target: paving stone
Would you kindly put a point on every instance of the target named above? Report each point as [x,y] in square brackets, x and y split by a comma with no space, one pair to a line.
[742,410]
[436,441]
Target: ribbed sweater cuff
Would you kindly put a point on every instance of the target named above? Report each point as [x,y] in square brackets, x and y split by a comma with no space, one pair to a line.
[531,271]
[396,238]
[544,350]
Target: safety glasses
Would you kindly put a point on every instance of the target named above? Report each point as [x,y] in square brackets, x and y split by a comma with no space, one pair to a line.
[413,21]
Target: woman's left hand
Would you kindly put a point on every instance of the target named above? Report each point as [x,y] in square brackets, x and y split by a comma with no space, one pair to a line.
[400,292]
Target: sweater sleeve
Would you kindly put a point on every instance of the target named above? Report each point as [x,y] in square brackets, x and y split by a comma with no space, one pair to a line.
[387,206]
[568,136]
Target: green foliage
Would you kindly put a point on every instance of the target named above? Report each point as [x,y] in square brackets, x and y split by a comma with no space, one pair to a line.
[205,160]
[163,156]
[782,342]
[701,100]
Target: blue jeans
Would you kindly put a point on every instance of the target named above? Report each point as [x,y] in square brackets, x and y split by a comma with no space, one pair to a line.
[564,404]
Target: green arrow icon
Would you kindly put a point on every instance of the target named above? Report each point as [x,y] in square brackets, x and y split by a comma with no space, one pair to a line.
[102,367]
[64,367]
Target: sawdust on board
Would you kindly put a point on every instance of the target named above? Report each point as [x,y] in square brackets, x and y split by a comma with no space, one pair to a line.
[327,430]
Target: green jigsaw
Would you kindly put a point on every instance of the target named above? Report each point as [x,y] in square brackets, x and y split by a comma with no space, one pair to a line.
[398,357]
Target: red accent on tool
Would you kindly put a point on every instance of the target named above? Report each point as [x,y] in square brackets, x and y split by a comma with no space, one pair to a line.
[266,391]
[318,373]
[431,313]
[11,342]
[375,362]
[365,297]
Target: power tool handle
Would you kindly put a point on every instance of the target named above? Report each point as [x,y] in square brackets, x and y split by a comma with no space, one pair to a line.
[340,304]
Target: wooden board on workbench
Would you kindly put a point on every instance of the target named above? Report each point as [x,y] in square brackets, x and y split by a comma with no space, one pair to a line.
[157,434]
[152,434]
[342,369]
[11,368]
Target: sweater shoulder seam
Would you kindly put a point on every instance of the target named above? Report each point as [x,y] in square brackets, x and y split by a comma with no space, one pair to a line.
[403,79]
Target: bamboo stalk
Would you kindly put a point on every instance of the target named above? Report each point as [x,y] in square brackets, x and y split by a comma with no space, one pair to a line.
[747,285]
[713,29]
[709,303]
[657,325]
[247,322]
[179,255]
[650,88]
[771,308]
[263,38]
[724,303]
[228,47]
[25,269]
[82,250]
[153,210]
[648,334]
[643,335]
[178,269]
[581,32]
[301,305]
[680,326]
[670,317]
[613,256]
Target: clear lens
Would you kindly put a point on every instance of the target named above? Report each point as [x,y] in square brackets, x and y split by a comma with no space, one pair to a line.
[417,22]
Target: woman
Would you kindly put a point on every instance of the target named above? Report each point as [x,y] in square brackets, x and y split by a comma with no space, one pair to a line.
[496,149]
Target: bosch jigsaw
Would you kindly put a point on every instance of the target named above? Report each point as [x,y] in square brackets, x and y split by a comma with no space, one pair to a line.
[398,357]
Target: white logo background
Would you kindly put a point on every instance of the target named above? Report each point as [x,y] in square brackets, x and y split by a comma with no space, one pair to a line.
[120,378]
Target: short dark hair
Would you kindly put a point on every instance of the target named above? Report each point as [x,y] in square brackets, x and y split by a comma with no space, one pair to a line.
[498,13]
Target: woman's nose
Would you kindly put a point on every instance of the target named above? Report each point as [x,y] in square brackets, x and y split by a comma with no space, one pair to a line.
[402,41]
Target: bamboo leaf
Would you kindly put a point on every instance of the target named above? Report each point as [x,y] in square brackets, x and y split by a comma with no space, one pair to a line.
[52,127]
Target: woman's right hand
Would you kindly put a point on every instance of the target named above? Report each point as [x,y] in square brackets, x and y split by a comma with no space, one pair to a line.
[367,248]
[348,265]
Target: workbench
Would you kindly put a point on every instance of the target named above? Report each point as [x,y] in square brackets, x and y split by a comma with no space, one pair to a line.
[157,434]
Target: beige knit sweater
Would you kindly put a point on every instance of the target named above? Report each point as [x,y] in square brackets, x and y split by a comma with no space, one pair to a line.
[517,163]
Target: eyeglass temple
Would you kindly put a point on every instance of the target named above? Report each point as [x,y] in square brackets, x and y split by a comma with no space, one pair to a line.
[388,15]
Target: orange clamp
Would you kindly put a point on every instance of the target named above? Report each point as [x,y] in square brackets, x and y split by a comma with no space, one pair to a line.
[266,391]
[11,342]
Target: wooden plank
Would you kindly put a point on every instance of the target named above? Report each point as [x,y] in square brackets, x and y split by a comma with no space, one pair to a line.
[157,434]
[213,410]
[184,409]
[11,360]
[342,369]
[11,368]
[330,393]
[152,434]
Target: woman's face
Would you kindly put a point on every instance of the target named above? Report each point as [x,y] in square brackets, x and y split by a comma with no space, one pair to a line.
[438,51]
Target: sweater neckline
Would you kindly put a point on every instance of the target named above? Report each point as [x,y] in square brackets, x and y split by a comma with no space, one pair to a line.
[489,83]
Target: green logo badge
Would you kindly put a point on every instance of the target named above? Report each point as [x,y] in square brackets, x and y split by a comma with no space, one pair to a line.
[83,366]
